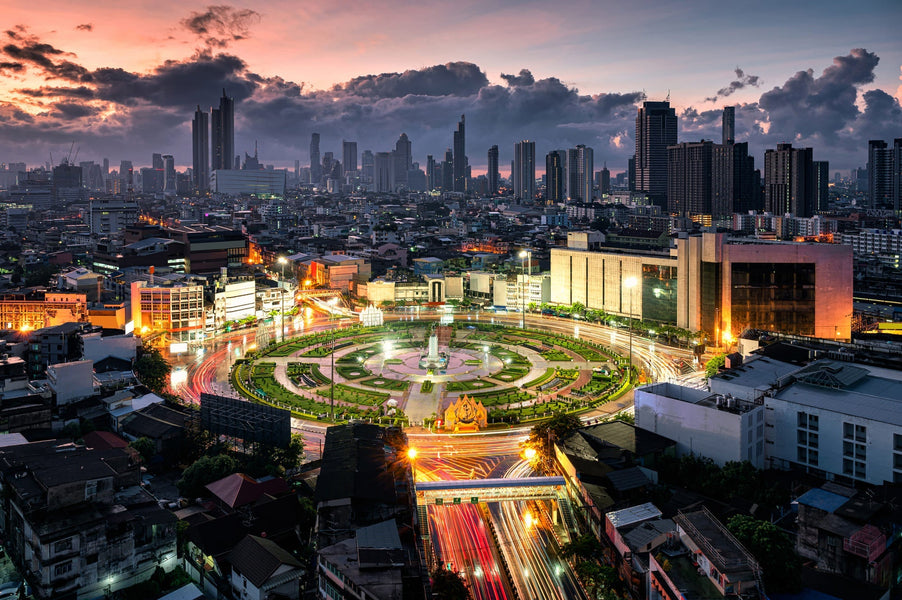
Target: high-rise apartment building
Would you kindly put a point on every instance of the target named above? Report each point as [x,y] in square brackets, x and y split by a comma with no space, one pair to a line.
[493,176]
[222,123]
[555,165]
[885,174]
[729,124]
[460,157]
[524,174]
[349,156]
[384,172]
[367,166]
[689,178]
[448,171]
[789,181]
[200,150]
[656,129]
[168,174]
[430,172]
[603,181]
[316,167]
[403,160]
[585,170]
[821,185]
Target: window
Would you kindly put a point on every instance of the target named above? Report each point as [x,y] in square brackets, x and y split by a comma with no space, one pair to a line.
[803,419]
[812,422]
[897,461]
[62,569]
[847,449]
[860,470]
[847,429]
[802,454]
[847,467]
[861,433]
[897,442]
[62,545]
[812,457]
[812,440]
[802,437]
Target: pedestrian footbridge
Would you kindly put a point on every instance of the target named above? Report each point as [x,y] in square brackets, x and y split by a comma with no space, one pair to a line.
[474,491]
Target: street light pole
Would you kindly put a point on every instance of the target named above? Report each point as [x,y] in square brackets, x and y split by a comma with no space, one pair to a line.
[282,262]
[333,301]
[523,287]
[629,283]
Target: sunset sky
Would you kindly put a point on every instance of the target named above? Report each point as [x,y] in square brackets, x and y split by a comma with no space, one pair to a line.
[122,79]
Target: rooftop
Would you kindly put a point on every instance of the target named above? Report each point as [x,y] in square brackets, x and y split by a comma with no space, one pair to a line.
[633,515]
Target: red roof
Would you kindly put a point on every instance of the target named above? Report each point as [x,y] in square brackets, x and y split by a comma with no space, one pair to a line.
[239,489]
[104,440]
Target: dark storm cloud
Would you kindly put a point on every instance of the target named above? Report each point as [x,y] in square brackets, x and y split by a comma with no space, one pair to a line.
[742,80]
[819,107]
[12,66]
[28,49]
[125,114]
[85,27]
[455,79]
[523,78]
[220,25]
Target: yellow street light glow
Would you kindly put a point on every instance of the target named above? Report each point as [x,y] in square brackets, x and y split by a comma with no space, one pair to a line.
[529,453]
[282,260]
[412,453]
[528,520]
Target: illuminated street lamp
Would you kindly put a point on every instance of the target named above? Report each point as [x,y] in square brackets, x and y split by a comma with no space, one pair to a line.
[332,303]
[629,283]
[523,255]
[282,261]
[529,454]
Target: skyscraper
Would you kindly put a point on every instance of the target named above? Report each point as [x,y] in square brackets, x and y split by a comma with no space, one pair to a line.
[200,149]
[897,176]
[585,170]
[493,177]
[789,181]
[604,181]
[729,124]
[524,173]
[554,176]
[349,156]
[316,167]
[222,123]
[460,157]
[384,172]
[880,174]
[430,173]
[689,178]
[448,171]
[656,129]
[168,174]
[367,164]
[571,175]
[402,160]
[821,185]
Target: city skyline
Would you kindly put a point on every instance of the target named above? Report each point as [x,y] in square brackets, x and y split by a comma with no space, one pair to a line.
[836,86]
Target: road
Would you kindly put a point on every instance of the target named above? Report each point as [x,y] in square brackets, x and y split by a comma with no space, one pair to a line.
[460,534]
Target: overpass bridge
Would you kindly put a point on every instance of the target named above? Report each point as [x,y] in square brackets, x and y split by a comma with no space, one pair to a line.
[478,491]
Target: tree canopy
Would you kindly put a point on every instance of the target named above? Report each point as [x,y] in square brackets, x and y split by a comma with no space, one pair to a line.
[773,550]
[205,470]
[152,369]
[449,585]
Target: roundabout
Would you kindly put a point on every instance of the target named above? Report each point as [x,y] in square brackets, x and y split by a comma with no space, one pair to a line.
[410,372]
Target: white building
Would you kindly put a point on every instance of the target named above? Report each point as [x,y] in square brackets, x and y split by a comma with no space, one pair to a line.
[838,420]
[833,419]
[72,381]
[722,428]
[522,290]
[238,300]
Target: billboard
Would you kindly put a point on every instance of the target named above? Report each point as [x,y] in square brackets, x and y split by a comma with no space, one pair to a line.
[248,421]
